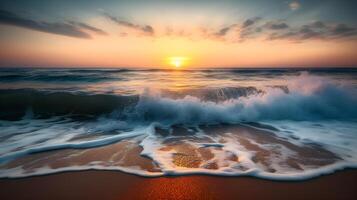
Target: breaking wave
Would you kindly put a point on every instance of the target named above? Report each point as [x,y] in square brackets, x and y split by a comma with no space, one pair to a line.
[305,97]
[292,131]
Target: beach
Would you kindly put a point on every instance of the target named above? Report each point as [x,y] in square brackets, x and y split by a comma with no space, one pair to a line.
[158,99]
[194,134]
[117,185]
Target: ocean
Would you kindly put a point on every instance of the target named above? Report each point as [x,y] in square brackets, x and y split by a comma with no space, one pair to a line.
[278,124]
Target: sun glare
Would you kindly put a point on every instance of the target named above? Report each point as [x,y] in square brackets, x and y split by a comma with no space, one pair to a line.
[177,61]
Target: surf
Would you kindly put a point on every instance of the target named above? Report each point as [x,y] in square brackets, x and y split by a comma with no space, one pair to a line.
[297,125]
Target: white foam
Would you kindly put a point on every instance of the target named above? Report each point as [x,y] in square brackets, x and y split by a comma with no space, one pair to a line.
[314,110]
[151,144]
[309,98]
[65,143]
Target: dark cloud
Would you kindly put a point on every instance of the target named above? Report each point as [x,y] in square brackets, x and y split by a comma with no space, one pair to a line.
[315,30]
[249,28]
[223,31]
[254,26]
[74,29]
[146,28]
[317,24]
[281,30]
[276,25]
[277,36]
[250,22]
[88,27]
[343,30]
[308,33]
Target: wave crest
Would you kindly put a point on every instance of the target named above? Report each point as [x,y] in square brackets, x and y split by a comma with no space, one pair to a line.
[308,98]
[304,97]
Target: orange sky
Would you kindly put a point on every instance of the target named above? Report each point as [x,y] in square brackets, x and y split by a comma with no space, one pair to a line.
[149,40]
[59,51]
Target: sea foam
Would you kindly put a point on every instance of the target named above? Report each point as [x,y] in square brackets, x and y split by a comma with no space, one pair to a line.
[301,128]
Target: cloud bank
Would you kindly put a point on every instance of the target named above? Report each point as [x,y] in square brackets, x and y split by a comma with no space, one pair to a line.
[280,30]
[142,28]
[240,31]
[71,29]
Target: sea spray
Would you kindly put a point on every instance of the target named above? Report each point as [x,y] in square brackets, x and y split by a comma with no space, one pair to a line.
[273,124]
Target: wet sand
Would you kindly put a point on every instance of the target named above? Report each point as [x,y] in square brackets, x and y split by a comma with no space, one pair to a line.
[117,185]
[186,151]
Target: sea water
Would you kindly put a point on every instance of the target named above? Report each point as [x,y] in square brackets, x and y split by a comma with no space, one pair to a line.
[282,124]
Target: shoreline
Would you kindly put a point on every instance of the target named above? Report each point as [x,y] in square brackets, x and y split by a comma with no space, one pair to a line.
[101,184]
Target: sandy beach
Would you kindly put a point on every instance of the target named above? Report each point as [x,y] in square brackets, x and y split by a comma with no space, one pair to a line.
[116,185]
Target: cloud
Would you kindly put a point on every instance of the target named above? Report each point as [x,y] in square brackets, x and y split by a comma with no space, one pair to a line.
[244,27]
[148,29]
[276,25]
[316,30]
[71,29]
[145,28]
[249,28]
[88,27]
[223,31]
[342,30]
[294,5]
[256,27]
[250,22]
[318,24]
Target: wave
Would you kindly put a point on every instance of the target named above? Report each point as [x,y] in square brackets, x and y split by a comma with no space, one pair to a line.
[307,98]
[304,97]
[212,94]
[60,76]
[15,103]
[300,129]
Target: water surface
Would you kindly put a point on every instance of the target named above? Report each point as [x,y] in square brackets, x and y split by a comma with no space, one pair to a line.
[288,124]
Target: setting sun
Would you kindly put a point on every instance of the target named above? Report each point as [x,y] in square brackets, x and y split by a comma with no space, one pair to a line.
[177,61]
[121,93]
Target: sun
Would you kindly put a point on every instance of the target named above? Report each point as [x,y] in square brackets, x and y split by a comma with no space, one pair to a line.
[177,61]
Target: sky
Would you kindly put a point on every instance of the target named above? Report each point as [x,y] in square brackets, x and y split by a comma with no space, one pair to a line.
[165,33]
